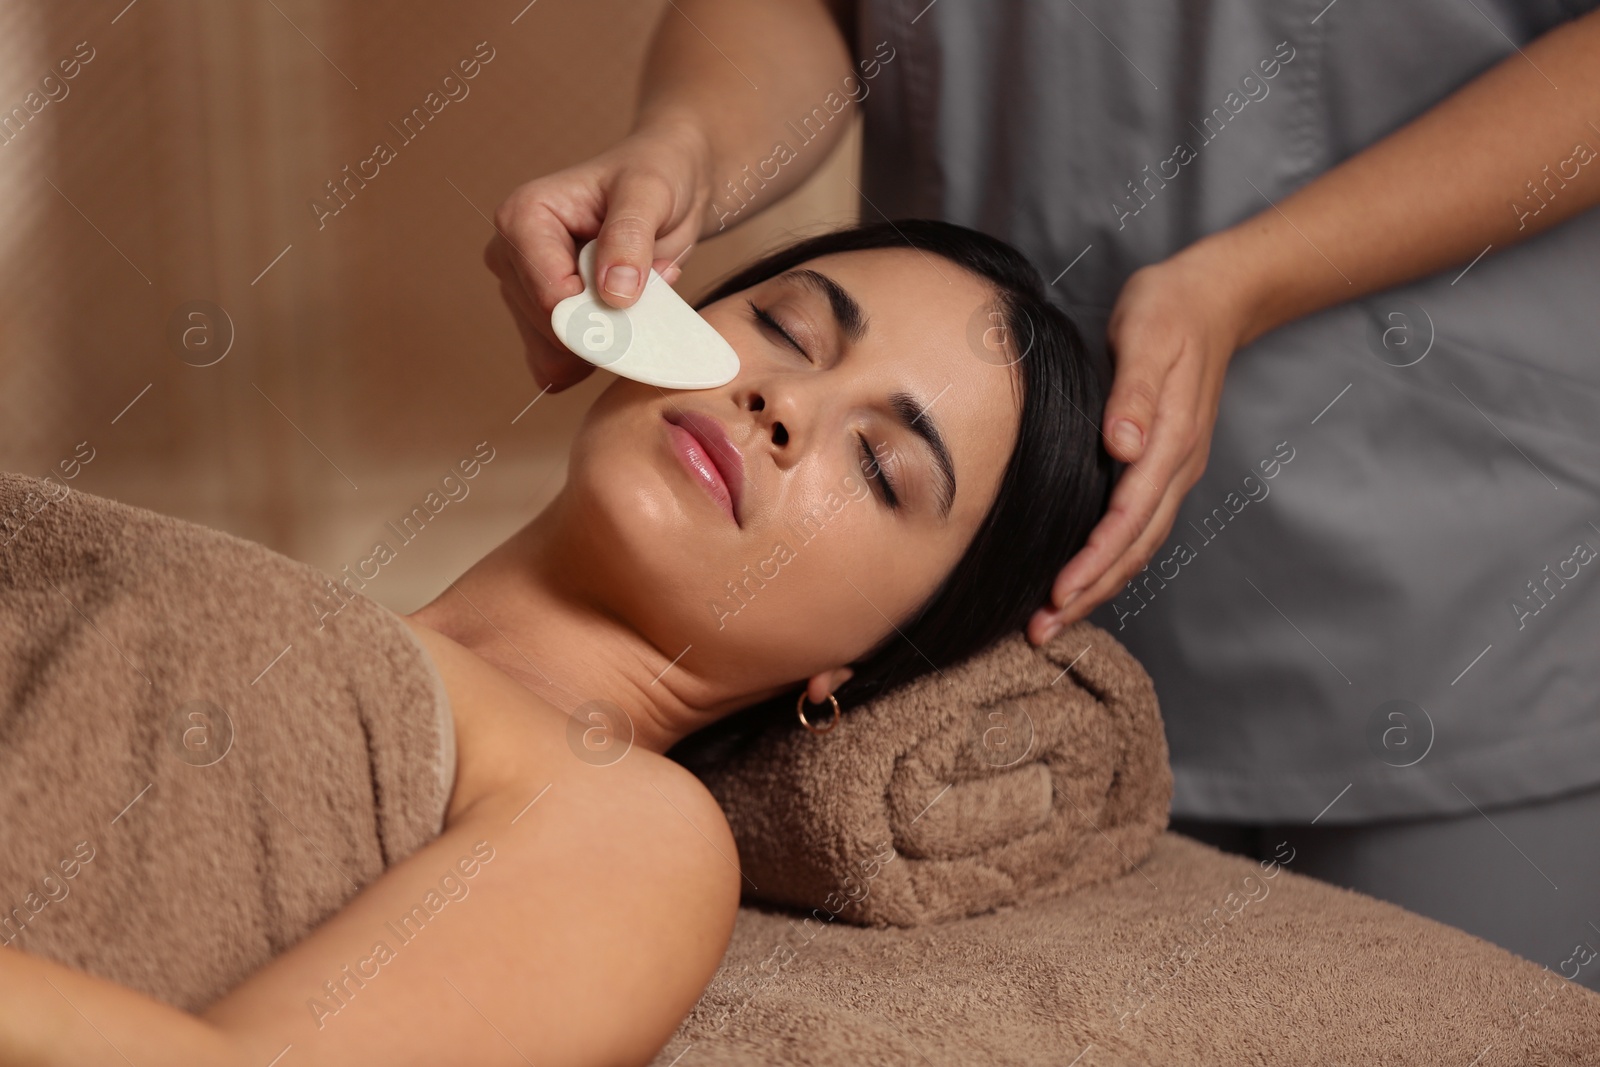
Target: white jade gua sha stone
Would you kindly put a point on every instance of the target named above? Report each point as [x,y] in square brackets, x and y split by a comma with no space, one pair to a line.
[660,340]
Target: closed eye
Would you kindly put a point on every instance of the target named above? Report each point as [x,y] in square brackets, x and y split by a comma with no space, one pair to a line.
[764,317]
[875,472]
[869,464]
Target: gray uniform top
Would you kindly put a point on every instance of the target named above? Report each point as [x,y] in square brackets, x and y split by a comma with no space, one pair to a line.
[1385,590]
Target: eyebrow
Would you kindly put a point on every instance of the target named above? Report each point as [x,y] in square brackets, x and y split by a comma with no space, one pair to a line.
[910,412]
[846,312]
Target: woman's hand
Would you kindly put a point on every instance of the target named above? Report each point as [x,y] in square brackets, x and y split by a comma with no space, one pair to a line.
[645,198]
[1172,331]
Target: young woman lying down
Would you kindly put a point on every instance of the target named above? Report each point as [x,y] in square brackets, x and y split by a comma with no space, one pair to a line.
[907,382]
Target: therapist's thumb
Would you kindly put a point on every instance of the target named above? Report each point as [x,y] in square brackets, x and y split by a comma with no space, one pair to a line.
[636,209]
[1130,410]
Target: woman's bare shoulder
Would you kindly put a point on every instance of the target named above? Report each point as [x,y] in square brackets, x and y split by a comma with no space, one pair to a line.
[578,924]
[580,908]
[509,739]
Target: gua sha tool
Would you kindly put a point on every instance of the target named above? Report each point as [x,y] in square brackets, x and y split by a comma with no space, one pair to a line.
[660,340]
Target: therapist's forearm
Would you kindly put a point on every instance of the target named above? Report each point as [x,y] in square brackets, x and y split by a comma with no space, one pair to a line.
[734,73]
[1433,193]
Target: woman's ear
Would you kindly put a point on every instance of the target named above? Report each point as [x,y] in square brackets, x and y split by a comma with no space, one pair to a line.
[820,685]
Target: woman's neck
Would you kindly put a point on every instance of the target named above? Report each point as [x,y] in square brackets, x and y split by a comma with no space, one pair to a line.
[519,611]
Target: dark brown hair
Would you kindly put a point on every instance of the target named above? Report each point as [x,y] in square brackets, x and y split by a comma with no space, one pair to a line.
[1056,485]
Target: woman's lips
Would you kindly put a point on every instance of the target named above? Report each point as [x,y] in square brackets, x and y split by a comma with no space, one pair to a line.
[706,453]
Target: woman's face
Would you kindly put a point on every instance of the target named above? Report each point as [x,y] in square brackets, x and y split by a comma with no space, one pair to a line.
[868,444]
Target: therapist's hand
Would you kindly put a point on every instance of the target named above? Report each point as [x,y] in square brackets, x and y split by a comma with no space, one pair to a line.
[1172,331]
[645,198]
[1380,218]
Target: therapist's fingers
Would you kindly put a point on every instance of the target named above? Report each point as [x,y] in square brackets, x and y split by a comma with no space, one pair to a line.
[1045,622]
[553,366]
[1120,544]
[1131,408]
[1107,583]
[640,205]
[643,199]
[1143,484]
[533,241]
[1110,580]
[1173,338]
[1148,421]
[532,252]
[1148,331]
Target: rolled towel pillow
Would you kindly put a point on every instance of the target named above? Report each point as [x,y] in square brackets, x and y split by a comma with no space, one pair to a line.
[1019,773]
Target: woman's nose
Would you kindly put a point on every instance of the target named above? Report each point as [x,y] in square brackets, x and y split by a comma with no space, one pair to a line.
[791,404]
[784,409]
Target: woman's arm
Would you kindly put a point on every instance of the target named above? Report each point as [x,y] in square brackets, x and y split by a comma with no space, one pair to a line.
[1442,189]
[51,1014]
[578,930]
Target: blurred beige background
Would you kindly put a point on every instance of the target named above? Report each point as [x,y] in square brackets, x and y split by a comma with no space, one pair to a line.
[369,356]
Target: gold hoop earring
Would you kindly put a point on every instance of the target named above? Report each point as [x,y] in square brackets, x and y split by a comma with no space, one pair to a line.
[800,710]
